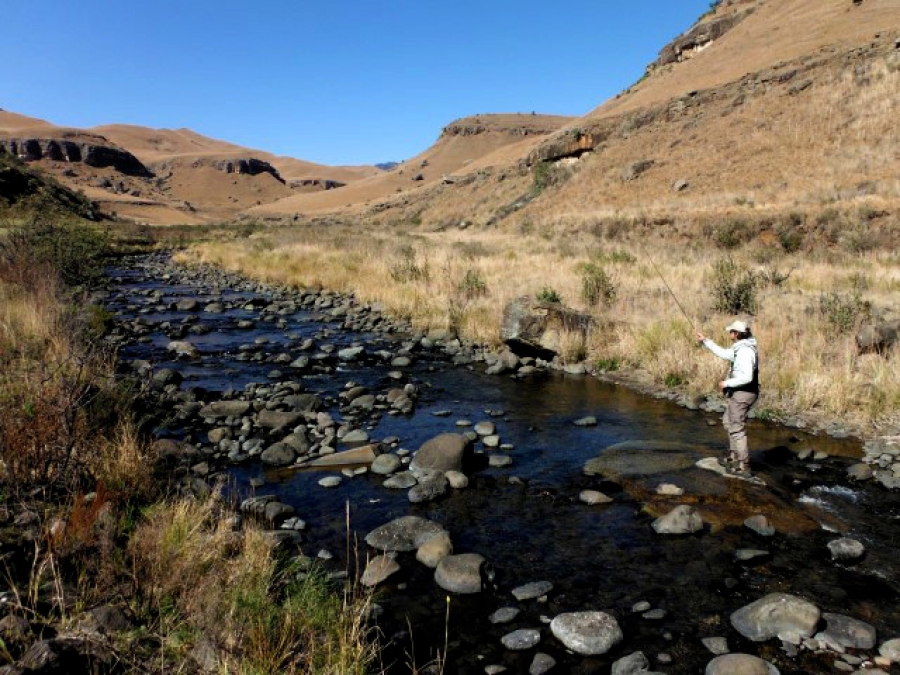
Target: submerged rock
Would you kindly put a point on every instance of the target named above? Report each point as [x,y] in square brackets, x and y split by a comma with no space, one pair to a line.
[682,519]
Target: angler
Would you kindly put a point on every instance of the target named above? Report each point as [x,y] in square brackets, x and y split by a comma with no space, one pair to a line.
[741,389]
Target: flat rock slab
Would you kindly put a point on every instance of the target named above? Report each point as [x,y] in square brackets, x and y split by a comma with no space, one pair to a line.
[642,458]
[524,638]
[587,633]
[271,419]
[379,569]
[846,549]
[774,614]
[404,534]
[364,455]
[533,590]
[225,409]
[460,573]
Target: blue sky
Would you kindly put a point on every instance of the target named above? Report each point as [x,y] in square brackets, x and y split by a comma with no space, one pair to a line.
[353,82]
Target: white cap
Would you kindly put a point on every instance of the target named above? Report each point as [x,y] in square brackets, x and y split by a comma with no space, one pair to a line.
[737,327]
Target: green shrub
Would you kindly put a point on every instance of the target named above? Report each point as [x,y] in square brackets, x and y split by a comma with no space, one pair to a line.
[735,289]
[731,233]
[542,177]
[597,286]
[75,252]
[548,294]
[790,233]
[844,312]
[607,365]
[673,379]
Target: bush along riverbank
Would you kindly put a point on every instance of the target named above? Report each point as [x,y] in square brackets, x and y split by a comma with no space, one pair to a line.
[109,566]
[309,399]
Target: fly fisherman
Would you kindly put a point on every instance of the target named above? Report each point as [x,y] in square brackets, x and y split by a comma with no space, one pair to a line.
[741,389]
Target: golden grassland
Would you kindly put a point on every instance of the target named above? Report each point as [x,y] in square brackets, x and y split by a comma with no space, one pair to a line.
[808,302]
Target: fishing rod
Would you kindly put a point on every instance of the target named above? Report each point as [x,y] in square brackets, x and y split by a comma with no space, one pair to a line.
[665,283]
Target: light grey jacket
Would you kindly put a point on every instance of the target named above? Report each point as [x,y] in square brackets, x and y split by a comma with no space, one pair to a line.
[744,361]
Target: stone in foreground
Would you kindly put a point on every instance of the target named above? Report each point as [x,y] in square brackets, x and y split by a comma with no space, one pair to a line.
[379,569]
[739,664]
[403,534]
[460,573]
[682,519]
[774,614]
[587,633]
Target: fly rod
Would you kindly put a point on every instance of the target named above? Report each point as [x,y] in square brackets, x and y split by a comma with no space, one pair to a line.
[665,283]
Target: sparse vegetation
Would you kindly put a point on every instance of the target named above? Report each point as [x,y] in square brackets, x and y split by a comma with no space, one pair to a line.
[547,294]
[597,287]
[735,289]
[844,312]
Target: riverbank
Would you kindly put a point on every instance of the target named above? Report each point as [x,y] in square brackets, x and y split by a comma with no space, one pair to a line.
[805,305]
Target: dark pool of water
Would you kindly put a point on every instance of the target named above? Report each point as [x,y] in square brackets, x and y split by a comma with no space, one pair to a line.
[527,520]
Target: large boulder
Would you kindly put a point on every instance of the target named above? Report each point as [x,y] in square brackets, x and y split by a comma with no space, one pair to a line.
[447,452]
[776,613]
[587,633]
[460,573]
[532,328]
[641,458]
[877,337]
[739,664]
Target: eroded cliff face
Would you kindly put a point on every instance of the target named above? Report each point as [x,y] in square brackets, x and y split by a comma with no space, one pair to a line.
[725,16]
[511,125]
[93,152]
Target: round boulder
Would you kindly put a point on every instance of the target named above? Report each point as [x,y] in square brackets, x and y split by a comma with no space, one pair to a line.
[447,452]
[587,633]
[774,614]
[739,664]
[460,573]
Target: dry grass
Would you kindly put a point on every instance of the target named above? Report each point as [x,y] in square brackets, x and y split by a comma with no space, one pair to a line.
[202,581]
[810,367]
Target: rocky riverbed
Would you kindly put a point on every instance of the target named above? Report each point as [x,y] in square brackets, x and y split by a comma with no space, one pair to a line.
[511,517]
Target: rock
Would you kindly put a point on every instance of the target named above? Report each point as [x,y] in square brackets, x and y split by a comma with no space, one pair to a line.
[533,590]
[447,452]
[386,464]
[846,632]
[541,663]
[680,185]
[891,650]
[532,328]
[745,554]
[351,353]
[593,497]
[669,490]
[66,654]
[504,615]
[635,169]
[404,534]
[276,512]
[641,458]
[378,569]
[631,665]
[434,550]
[271,419]
[587,633]
[860,472]
[330,481]
[279,454]
[303,402]
[589,421]
[739,664]
[716,645]
[457,479]
[760,524]
[485,428]
[877,337]
[400,481]
[524,638]
[682,519]
[774,614]
[362,455]
[430,487]
[846,549]
[499,461]
[183,348]
[15,631]
[225,409]
[460,573]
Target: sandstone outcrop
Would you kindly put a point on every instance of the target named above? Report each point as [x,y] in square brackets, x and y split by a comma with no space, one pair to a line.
[93,151]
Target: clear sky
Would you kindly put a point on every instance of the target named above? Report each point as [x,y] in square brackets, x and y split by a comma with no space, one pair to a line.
[336,82]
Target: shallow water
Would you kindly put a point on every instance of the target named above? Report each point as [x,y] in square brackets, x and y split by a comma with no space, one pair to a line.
[527,520]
